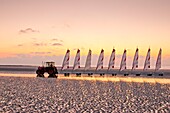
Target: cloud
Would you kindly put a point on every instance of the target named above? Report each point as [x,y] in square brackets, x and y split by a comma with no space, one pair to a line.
[40,44]
[48,44]
[20,45]
[57,44]
[33,38]
[28,30]
[54,39]
[67,25]
[40,53]
[75,49]
[6,55]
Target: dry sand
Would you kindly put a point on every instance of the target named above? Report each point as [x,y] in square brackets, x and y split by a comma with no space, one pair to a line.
[19,94]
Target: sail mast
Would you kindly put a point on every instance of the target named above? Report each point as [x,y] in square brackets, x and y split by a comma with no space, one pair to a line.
[77,60]
[65,64]
[147,60]
[100,61]
[112,60]
[123,61]
[158,61]
[88,60]
[135,60]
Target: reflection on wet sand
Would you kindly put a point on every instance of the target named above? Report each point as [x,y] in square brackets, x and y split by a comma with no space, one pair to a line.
[118,78]
[124,79]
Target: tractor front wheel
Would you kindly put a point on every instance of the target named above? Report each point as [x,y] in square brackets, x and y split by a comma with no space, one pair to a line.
[39,73]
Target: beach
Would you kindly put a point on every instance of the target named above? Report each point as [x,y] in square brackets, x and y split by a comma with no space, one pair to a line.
[29,94]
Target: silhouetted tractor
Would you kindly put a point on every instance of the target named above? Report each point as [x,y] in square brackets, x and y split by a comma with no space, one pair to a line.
[49,68]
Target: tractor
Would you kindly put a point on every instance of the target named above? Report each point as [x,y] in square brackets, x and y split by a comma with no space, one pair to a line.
[49,68]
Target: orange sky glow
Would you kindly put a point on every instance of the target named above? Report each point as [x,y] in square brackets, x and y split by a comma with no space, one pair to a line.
[36,30]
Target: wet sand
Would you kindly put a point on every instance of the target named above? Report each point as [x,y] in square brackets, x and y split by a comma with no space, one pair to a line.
[27,94]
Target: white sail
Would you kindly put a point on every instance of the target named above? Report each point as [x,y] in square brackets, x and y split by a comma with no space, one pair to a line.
[158,62]
[65,64]
[100,61]
[112,60]
[88,60]
[77,60]
[135,60]
[123,61]
[147,60]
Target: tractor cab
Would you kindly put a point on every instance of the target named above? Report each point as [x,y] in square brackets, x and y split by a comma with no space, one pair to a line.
[49,64]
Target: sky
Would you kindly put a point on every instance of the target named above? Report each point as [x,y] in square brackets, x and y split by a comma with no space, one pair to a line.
[32,31]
